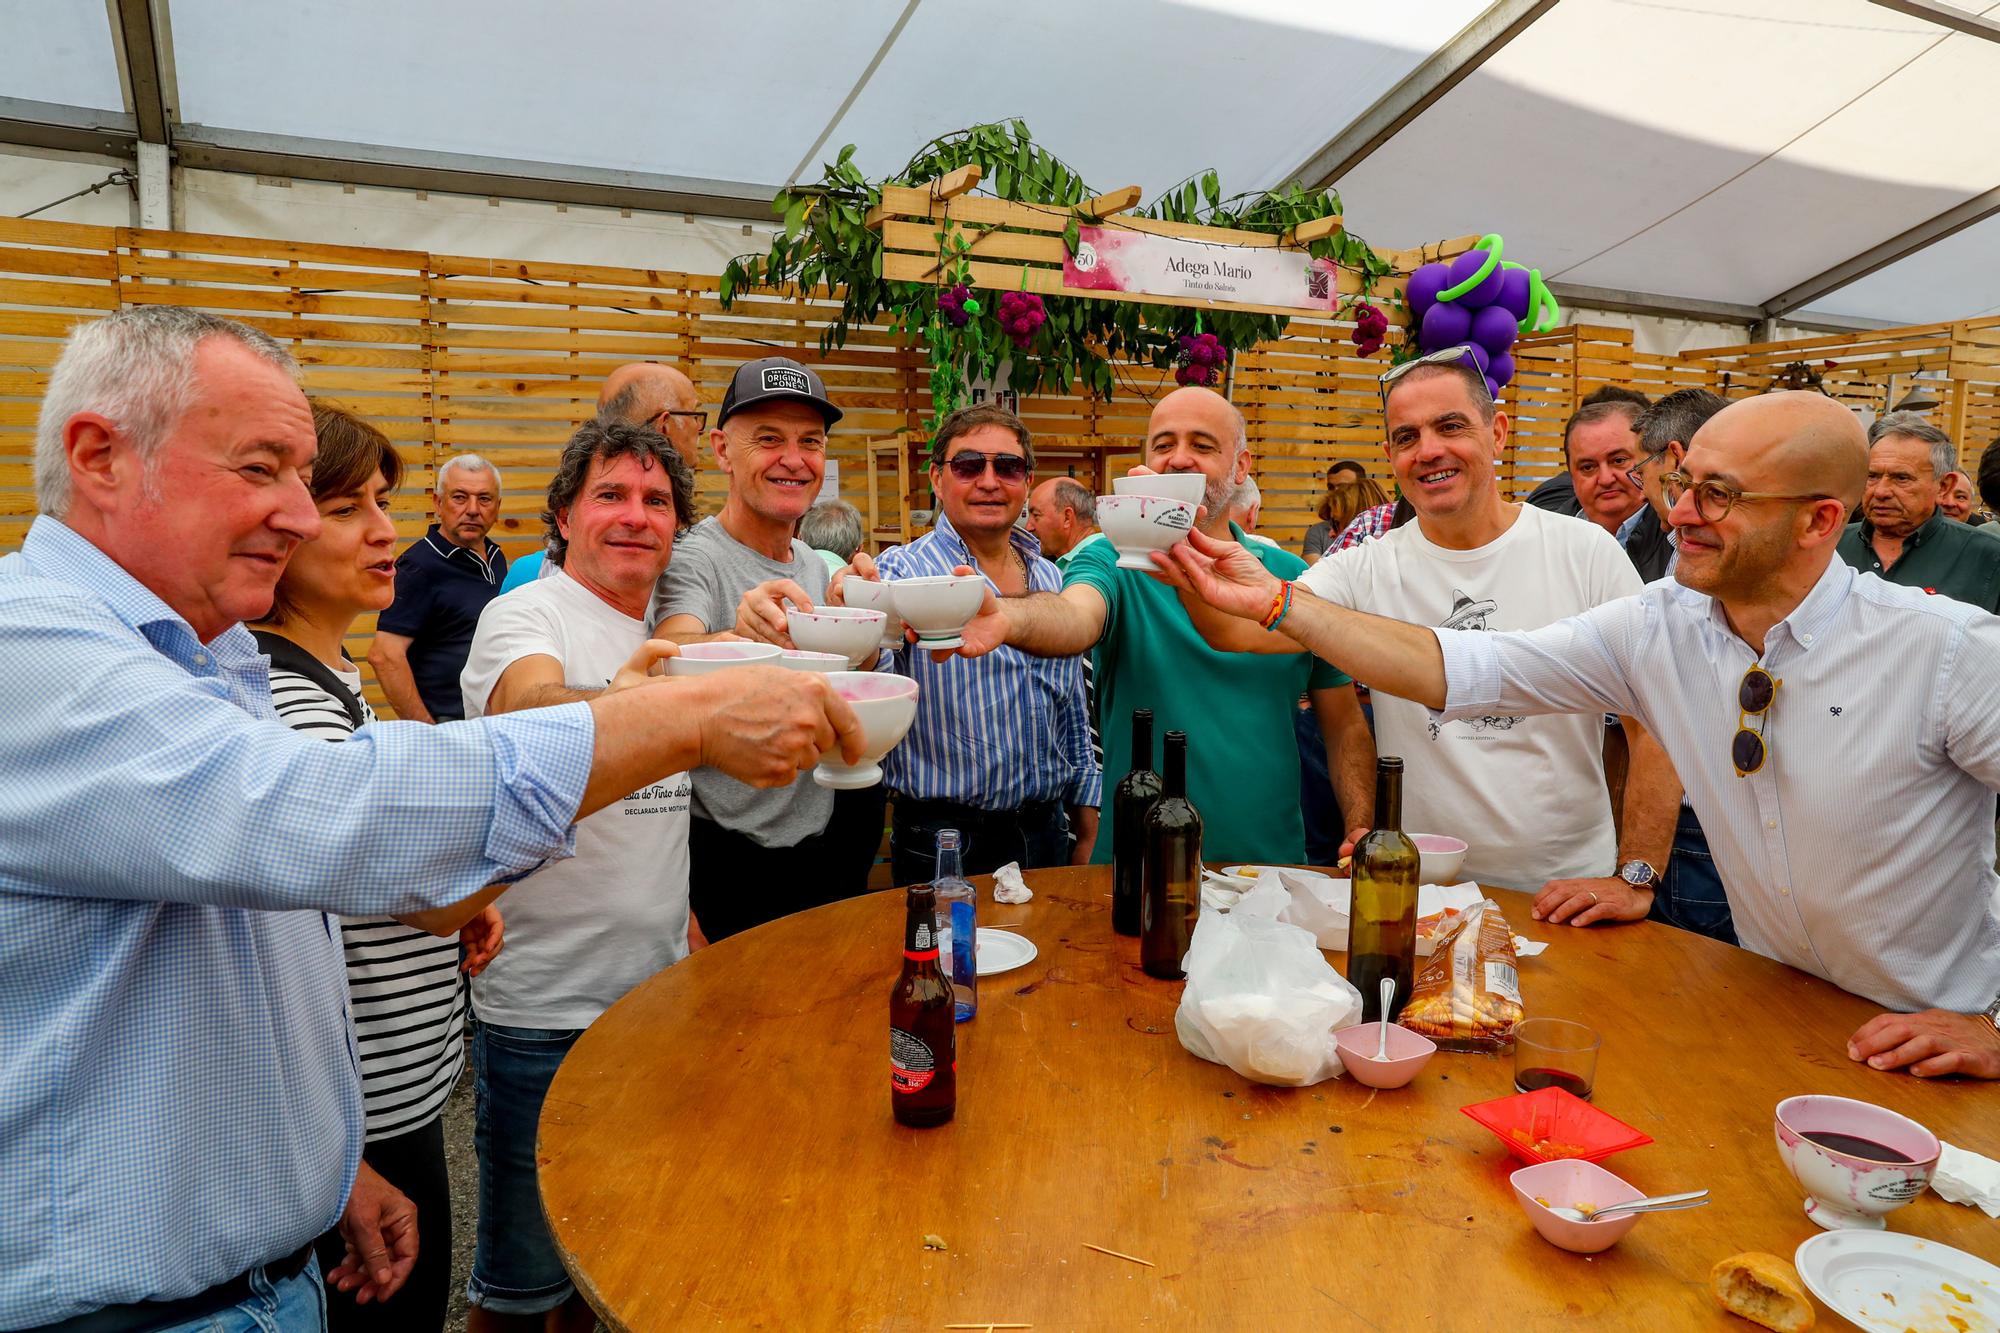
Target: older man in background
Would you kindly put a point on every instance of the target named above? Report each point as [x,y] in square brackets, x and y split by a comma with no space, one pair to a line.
[757,855]
[1062,513]
[444,580]
[658,397]
[1902,535]
[1760,669]
[1243,760]
[1558,494]
[191,1118]
[1600,446]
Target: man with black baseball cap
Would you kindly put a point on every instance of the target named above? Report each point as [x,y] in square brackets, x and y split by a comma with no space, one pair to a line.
[757,854]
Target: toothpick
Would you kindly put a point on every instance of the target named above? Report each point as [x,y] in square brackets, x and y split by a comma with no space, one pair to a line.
[1129,1258]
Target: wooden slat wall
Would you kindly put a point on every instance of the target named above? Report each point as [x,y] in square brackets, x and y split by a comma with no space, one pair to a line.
[503,357]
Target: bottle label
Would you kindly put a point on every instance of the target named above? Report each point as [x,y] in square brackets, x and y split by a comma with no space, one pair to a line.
[911,1065]
[924,940]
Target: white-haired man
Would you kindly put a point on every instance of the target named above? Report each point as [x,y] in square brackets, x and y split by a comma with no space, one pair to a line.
[182,1107]
[443,581]
[1903,535]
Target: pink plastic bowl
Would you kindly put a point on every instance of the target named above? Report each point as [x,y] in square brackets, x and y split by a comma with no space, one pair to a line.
[1569,1184]
[1409,1052]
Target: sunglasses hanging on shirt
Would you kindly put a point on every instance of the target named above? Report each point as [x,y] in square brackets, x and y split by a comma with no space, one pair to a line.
[1753,700]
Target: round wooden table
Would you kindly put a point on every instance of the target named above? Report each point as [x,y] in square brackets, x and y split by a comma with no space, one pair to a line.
[717,1150]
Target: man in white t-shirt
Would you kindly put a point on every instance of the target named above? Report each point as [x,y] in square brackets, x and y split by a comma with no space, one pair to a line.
[584,931]
[1528,793]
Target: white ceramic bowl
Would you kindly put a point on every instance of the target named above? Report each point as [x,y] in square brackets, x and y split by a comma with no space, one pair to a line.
[1440,857]
[698,659]
[1846,1191]
[1189,486]
[938,605]
[867,595]
[853,633]
[798,659]
[1571,1183]
[1140,524]
[886,705]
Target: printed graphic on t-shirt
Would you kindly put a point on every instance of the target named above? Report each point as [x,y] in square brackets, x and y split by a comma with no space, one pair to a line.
[662,798]
[1469,614]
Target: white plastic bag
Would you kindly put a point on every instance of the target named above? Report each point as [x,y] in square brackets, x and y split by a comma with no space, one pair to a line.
[1261,998]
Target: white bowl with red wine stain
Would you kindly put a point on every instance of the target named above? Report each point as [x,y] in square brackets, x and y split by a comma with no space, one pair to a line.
[1856,1161]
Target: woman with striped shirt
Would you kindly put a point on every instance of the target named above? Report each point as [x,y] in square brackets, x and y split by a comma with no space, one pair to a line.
[404,989]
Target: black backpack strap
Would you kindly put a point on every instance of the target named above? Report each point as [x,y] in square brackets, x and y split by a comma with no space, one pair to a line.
[284,653]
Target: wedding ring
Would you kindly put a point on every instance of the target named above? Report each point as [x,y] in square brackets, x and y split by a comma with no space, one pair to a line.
[1593,897]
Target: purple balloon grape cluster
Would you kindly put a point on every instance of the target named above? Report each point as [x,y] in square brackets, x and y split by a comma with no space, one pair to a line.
[1202,358]
[1371,326]
[1021,313]
[1486,316]
[952,305]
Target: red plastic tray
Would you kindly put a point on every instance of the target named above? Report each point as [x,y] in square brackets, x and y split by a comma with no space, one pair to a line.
[1550,1124]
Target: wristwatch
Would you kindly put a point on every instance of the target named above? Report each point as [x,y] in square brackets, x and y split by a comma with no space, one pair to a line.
[1992,1014]
[1641,875]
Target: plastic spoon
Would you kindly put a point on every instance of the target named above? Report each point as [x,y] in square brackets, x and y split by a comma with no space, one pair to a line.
[1659,1203]
[1388,997]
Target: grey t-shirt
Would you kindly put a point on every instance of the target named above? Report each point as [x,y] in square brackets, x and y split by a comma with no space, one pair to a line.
[709,574]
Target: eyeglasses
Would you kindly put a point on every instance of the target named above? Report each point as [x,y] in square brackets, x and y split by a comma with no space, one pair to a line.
[1714,499]
[969,465]
[1632,473]
[1461,355]
[1753,699]
[700,418]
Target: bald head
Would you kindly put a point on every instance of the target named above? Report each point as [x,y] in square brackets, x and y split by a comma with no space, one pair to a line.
[637,395]
[1194,429]
[1794,443]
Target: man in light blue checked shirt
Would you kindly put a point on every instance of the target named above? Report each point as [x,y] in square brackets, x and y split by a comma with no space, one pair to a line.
[1000,749]
[180,1112]
[1836,733]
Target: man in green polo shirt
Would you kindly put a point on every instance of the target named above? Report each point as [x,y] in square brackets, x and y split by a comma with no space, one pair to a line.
[1903,536]
[1243,755]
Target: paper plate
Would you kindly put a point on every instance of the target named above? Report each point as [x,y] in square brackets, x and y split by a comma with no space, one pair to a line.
[1890,1281]
[999,950]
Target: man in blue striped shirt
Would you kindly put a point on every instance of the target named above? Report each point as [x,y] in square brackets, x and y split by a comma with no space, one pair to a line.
[180,1112]
[1000,749]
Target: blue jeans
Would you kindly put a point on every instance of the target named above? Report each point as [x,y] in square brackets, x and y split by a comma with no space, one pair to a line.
[1036,836]
[1690,894]
[1326,827]
[514,1265]
[295,1305]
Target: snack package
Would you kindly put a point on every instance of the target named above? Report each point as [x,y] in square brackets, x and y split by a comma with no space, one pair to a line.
[1467,997]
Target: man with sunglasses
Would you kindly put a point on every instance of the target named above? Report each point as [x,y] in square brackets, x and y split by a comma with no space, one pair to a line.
[1903,535]
[1243,759]
[647,393]
[1781,682]
[1001,746]
[756,854]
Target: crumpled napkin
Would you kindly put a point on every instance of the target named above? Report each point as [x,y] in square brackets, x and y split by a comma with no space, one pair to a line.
[1966,1177]
[1008,886]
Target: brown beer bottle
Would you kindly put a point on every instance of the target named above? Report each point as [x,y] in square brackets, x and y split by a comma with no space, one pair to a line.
[923,1031]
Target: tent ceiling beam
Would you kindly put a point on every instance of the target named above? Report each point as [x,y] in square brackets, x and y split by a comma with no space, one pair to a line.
[1690,307]
[1955,219]
[1443,70]
[135,35]
[1949,16]
[211,149]
[69,129]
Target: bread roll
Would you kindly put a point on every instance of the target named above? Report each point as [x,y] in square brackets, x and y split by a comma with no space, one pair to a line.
[1763,1289]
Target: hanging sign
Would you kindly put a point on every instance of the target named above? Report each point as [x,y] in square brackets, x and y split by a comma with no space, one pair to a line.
[1119,259]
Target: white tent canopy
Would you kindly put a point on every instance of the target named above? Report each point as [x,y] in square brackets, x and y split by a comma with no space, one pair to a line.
[1729,159]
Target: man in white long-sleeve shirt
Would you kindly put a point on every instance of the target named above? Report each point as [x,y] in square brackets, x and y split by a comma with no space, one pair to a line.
[1837,735]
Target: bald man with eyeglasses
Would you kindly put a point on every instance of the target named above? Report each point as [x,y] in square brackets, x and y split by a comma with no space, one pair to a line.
[1790,691]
